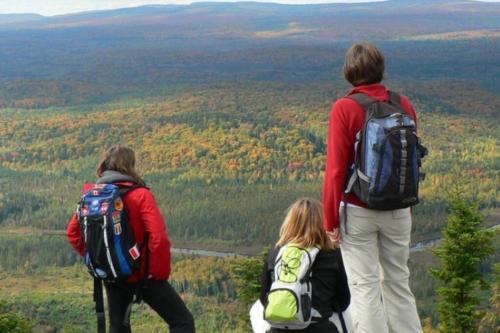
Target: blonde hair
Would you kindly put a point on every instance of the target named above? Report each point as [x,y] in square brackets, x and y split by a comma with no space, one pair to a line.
[303,226]
[119,158]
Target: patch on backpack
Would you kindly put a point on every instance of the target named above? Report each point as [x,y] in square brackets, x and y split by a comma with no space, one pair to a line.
[119,204]
[116,217]
[134,252]
[118,229]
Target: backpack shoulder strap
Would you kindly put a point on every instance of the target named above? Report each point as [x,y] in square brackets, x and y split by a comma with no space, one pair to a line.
[313,253]
[341,318]
[394,98]
[274,261]
[126,189]
[362,99]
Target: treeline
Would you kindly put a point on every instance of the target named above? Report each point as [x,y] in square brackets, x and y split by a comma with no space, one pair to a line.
[226,216]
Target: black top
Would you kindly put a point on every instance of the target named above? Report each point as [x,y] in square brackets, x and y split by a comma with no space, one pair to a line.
[330,291]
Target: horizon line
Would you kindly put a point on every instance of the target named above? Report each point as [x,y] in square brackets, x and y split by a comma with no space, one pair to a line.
[138,5]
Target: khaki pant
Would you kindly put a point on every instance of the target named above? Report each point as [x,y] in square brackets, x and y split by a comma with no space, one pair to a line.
[375,250]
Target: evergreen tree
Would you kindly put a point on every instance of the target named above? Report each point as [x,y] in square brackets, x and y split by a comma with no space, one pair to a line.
[491,319]
[246,274]
[463,249]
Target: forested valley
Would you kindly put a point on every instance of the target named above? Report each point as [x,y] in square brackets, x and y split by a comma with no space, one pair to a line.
[229,127]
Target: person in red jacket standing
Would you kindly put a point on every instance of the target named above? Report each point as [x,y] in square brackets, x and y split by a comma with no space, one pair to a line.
[118,167]
[376,247]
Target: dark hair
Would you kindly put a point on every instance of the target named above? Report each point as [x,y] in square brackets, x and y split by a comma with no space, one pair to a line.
[364,64]
[119,158]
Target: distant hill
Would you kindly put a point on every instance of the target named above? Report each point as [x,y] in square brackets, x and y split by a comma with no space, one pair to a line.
[243,19]
[100,55]
[16,18]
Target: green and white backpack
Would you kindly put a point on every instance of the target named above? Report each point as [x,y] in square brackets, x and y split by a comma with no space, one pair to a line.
[289,301]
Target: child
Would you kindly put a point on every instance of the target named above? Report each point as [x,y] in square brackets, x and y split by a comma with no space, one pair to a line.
[303,229]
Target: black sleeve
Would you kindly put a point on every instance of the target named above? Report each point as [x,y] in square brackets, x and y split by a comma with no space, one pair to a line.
[343,295]
[265,283]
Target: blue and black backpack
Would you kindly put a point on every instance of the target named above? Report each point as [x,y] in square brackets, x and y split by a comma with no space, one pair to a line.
[111,251]
[386,171]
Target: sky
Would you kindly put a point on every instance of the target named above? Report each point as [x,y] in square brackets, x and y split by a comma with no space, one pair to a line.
[56,7]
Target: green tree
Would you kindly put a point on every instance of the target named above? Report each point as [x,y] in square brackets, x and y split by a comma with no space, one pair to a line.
[11,322]
[464,248]
[491,318]
[246,274]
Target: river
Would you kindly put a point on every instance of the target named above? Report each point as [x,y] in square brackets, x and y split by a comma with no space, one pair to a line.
[416,247]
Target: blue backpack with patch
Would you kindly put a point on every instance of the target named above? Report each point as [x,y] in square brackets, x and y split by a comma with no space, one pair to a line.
[112,253]
[386,171]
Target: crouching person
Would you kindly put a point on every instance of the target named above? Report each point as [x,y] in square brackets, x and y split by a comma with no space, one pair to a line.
[120,232]
[304,281]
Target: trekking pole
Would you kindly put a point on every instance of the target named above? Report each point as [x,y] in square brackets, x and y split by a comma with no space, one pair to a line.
[140,285]
[99,306]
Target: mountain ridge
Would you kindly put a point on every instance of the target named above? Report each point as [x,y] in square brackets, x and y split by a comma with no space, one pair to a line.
[390,7]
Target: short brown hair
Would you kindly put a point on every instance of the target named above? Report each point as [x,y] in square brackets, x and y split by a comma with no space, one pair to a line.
[364,64]
[119,158]
[303,226]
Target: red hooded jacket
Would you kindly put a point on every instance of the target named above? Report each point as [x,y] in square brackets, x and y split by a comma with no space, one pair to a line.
[346,120]
[144,216]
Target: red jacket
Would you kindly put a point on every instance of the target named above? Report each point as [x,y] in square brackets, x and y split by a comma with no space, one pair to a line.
[346,120]
[144,216]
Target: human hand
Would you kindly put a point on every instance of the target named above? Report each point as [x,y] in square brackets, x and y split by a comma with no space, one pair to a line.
[335,236]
